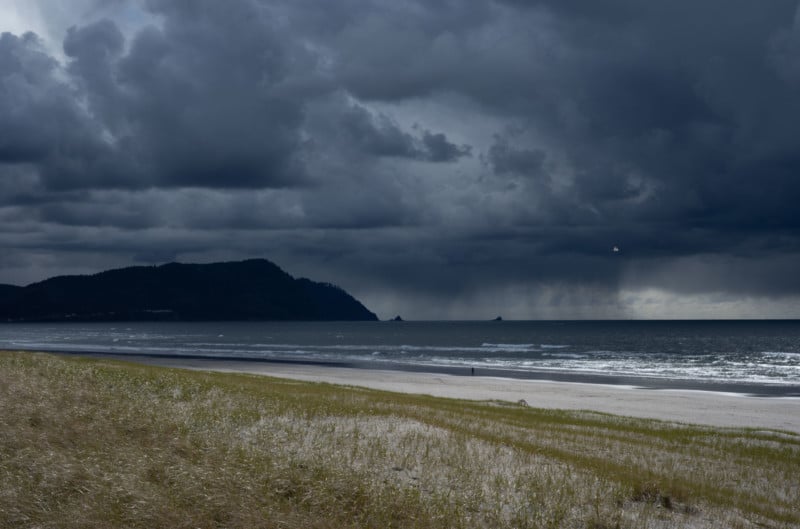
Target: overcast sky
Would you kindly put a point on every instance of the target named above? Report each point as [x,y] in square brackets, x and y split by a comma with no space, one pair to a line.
[436,158]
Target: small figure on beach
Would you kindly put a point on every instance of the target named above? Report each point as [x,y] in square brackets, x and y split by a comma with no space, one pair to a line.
[473,371]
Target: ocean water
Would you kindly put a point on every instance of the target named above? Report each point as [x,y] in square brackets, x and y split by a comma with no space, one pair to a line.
[747,356]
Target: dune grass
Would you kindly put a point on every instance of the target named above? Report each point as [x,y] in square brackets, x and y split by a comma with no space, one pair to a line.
[97,443]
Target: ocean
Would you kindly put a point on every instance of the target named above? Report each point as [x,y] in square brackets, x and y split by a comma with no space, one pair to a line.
[754,357]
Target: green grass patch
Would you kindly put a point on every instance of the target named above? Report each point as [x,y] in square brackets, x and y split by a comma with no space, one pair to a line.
[98,443]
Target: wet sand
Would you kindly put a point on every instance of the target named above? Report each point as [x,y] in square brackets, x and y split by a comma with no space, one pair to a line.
[680,405]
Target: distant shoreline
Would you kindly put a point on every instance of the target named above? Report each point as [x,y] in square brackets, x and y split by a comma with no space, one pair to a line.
[644,383]
[683,405]
[714,407]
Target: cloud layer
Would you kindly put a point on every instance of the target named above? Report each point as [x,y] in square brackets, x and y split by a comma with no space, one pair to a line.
[440,158]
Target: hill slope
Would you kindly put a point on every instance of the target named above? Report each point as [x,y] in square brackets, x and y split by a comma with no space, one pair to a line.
[255,289]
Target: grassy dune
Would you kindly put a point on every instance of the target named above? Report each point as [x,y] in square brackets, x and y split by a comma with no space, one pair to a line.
[96,443]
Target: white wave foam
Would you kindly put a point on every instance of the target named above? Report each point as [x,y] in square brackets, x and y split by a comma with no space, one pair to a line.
[508,345]
[575,356]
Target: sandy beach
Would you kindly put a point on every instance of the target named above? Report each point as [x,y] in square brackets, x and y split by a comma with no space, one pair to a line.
[696,407]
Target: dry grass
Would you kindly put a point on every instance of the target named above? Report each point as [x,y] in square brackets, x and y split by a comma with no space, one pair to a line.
[91,443]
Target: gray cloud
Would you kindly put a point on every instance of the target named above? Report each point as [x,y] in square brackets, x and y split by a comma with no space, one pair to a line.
[439,149]
[36,108]
[444,150]
[506,159]
[364,133]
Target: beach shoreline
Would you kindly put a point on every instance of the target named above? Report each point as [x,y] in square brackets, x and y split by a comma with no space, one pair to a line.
[691,406]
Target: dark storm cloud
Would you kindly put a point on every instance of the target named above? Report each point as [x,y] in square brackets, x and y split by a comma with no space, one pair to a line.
[452,146]
[506,159]
[25,69]
[213,96]
[379,135]
[39,114]
[191,106]
[439,149]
